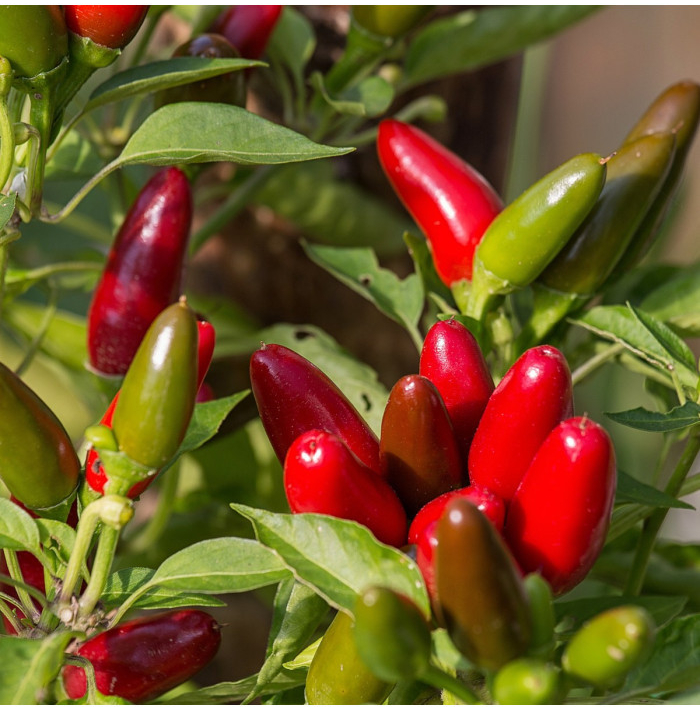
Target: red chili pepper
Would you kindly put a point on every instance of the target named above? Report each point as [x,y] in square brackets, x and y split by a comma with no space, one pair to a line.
[111,26]
[560,514]
[143,271]
[450,201]
[418,449]
[144,658]
[294,396]
[248,27]
[452,361]
[532,398]
[321,475]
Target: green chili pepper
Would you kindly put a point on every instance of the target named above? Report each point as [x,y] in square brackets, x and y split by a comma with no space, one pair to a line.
[524,238]
[528,681]
[539,594]
[389,20]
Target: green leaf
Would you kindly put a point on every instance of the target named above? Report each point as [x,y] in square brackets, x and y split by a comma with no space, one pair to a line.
[18,531]
[629,489]
[58,537]
[644,420]
[292,43]
[191,132]
[207,419]
[7,208]
[160,75]
[678,301]
[336,557]
[367,99]
[474,38]
[673,344]
[75,158]
[75,274]
[27,667]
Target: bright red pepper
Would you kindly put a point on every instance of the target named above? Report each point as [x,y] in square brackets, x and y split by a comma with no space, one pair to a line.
[559,517]
[112,26]
[294,396]
[532,398]
[248,27]
[450,201]
[143,272]
[452,360]
[144,658]
[321,475]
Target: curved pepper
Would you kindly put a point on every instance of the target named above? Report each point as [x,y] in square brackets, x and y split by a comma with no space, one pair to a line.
[37,460]
[532,398]
[559,516]
[481,598]
[449,200]
[248,27]
[389,20]
[294,396]
[417,447]
[528,681]
[452,360]
[144,658]
[321,475]
[524,238]
[337,674]
[143,271]
[112,26]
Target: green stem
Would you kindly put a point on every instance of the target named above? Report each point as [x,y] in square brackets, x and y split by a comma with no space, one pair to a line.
[91,697]
[595,362]
[652,526]
[35,344]
[104,557]
[5,240]
[41,117]
[7,144]
[16,573]
[438,678]
[7,612]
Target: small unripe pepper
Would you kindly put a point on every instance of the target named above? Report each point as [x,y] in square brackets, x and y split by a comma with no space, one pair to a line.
[389,20]
[528,680]
[248,27]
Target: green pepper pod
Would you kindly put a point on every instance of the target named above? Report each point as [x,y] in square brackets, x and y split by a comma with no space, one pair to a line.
[528,681]
[37,460]
[524,238]
[389,20]
[539,594]
[158,394]
[481,599]
[338,675]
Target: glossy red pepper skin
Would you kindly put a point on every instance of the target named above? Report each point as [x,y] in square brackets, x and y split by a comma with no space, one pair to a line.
[143,272]
[559,517]
[452,360]
[144,658]
[294,396]
[112,26]
[532,398]
[248,27]
[418,450]
[321,475]
[449,200]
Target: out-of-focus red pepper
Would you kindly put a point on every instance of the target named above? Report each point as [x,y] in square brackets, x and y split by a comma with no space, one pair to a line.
[248,27]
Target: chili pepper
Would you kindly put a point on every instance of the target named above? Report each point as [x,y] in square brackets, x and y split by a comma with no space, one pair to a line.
[321,475]
[143,271]
[227,88]
[449,200]
[524,238]
[528,680]
[294,396]
[417,447]
[389,20]
[539,594]
[606,648]
[452,360]
[112,26]
[337,674]
[37,460]
[144,658]
[559,516]
[248,27]
[391,634]
[481,597]
[531,399]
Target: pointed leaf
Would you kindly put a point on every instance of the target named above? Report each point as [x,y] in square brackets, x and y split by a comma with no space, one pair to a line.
[18,531]
[644,420]
[630,489]
[207,419]
[7,208]
[292,43]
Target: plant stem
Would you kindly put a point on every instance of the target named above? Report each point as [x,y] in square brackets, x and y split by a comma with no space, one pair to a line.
[16,573]
[5,240]
[35,344]
[590,366]
[438,678]
[106,548]
[7,144]
[10,616]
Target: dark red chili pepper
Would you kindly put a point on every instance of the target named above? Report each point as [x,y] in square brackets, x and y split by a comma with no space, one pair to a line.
[450,201]
[144,658]
[248,27]
[32,573]
[452,361]
[112,26]
[321,475]
[418,450]
[560,514]
[143,271]
[532,398]
[294,396]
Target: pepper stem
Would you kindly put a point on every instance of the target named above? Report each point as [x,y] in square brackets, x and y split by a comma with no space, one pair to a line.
[106,548]
[440,679]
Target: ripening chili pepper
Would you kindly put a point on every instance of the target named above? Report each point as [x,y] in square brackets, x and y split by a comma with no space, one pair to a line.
[481,598]
[530,400]
[248,27]
[611,644]
[528,680]
[294,396]
[389,20]
[321,475]
[559,516]
[524,238]
[417,447]
[337,674]
[144,658]
[38,463]
[452,360]
[449,200]
[143,271]
[112,26]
